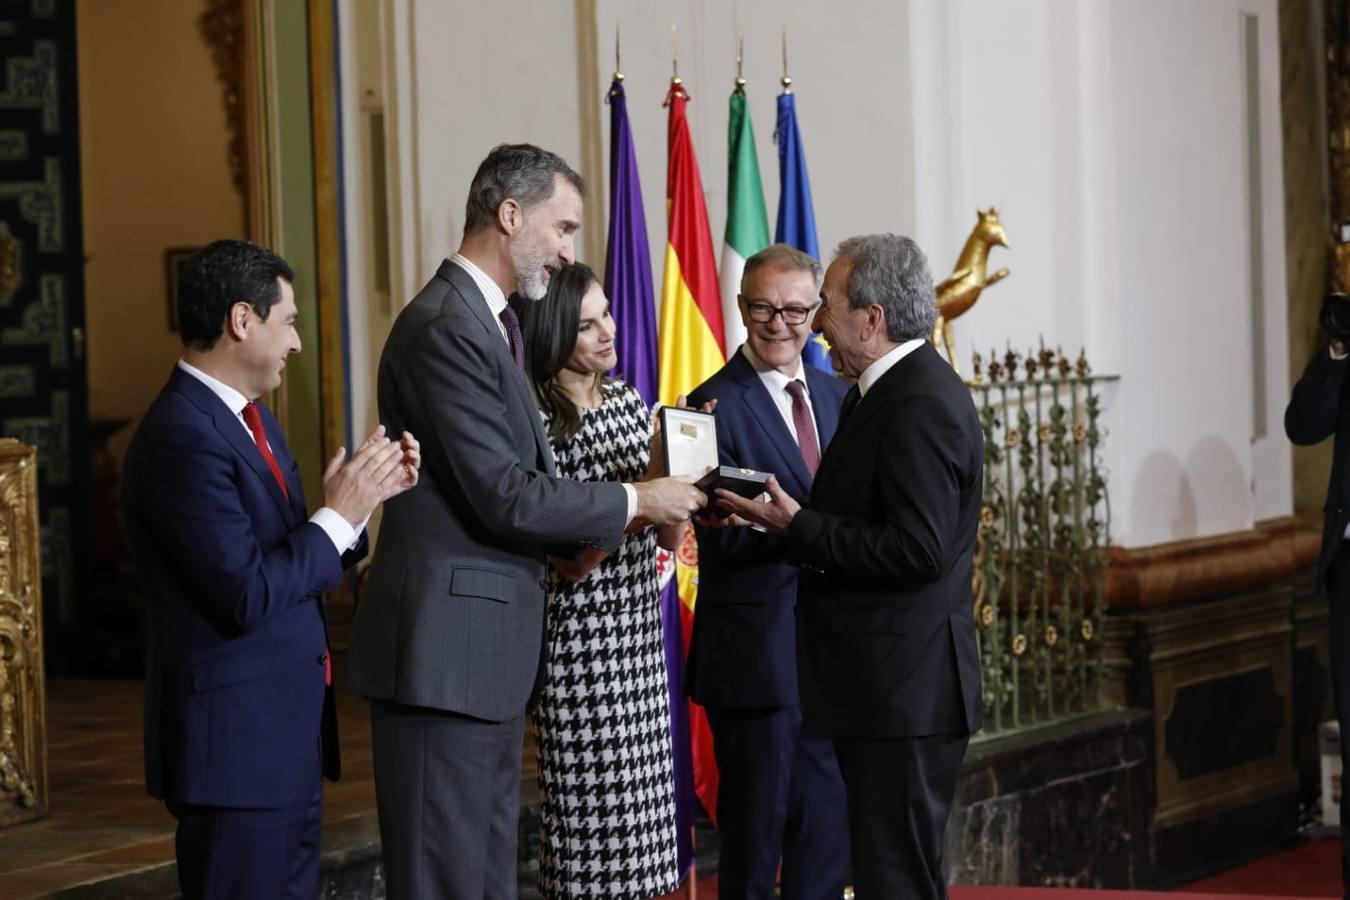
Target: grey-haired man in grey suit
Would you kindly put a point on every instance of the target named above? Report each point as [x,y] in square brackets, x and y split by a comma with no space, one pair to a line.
[448,636]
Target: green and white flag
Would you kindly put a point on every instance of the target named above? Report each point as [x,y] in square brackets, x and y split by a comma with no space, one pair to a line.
[747,221]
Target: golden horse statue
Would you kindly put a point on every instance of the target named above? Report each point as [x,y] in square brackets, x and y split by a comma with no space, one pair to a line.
[962,288]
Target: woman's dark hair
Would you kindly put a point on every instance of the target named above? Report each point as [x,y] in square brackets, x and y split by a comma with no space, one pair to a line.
[550,328]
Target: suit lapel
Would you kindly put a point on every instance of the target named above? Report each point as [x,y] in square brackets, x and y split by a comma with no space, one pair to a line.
[473,298]
[876,399]
[878,396]
[289,470]
[827,414]
[765,412]
[236,435]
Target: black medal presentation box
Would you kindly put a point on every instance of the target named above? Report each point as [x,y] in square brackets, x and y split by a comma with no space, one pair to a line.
[689,438]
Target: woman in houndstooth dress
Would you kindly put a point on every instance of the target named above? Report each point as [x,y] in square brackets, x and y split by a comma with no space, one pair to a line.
[602,725]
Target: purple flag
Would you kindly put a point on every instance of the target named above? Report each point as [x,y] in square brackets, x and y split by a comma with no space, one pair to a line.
[628,284]
[686,804]
[628,262]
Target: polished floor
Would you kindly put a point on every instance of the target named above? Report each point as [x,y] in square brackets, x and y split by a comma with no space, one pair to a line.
[102,824]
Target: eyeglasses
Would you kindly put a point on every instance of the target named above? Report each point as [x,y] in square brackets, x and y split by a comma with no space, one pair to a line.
[792,315]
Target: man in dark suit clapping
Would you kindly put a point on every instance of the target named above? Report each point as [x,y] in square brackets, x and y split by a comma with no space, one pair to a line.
[239,711]
[887,660]
[780,794]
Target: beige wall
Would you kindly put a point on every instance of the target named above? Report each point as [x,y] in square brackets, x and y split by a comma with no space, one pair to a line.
[1143,200]
[153,166]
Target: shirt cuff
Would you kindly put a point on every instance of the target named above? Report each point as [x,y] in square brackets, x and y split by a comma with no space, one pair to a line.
[1337,356]
[338,529]
[631,493]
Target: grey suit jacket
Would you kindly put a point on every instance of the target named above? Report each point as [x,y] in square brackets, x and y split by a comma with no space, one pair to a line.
[452,615]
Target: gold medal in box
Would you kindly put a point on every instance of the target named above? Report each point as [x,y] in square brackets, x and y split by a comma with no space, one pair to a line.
[689,438]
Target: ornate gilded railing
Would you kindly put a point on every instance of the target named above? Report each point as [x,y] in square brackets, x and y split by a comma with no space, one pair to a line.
[1044,531]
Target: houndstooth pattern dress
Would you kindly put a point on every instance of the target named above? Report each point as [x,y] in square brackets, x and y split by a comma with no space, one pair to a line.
[602,726]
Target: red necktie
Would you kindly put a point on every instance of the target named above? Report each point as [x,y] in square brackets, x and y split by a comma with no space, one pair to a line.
[253,419]
[806,427]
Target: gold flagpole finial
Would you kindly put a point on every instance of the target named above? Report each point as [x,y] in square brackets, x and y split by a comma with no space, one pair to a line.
[674,57]
[618,68]
[740,61]
[787,80]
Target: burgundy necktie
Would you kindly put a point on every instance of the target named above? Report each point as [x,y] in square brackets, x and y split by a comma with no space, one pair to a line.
[806,427]
[513,334]
[253,419]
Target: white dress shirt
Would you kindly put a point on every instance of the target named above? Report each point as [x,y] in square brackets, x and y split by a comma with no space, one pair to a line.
[777,384]
[496,301]
[338,529]
[873,373]
[492,292]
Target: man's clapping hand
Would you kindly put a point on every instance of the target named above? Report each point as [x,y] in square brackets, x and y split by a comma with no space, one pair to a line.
[378,470]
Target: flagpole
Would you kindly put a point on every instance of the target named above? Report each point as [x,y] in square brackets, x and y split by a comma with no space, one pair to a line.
[796,213]
[740,61]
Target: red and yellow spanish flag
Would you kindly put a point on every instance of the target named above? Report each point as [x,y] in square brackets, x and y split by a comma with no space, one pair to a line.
[692,348]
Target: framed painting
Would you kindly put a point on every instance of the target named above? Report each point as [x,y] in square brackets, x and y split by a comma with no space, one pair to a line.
[174,258]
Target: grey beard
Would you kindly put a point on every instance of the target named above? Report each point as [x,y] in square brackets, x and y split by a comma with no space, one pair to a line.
[530,286]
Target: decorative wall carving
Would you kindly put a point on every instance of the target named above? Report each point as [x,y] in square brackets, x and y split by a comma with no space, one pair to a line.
[1205,634]
[222,26]
[23,727]
[1168,574]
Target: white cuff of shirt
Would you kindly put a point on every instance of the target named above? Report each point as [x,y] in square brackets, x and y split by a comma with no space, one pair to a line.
[632,504]
[338,529]
[1337,356]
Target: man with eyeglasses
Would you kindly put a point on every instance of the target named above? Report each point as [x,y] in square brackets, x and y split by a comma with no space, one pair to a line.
[780,794]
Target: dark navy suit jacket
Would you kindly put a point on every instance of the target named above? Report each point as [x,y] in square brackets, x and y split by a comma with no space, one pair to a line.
[1319,408]
[743,652]
[236,710]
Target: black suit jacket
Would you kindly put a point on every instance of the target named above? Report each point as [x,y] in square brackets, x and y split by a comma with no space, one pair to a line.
[743,649]
[886,635]
[1317,410]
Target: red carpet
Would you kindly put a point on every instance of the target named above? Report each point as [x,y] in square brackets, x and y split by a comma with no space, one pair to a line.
[1045,893]
[1309,870]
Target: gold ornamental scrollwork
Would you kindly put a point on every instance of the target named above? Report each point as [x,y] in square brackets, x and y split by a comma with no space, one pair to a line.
[222,27]
[23,727]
